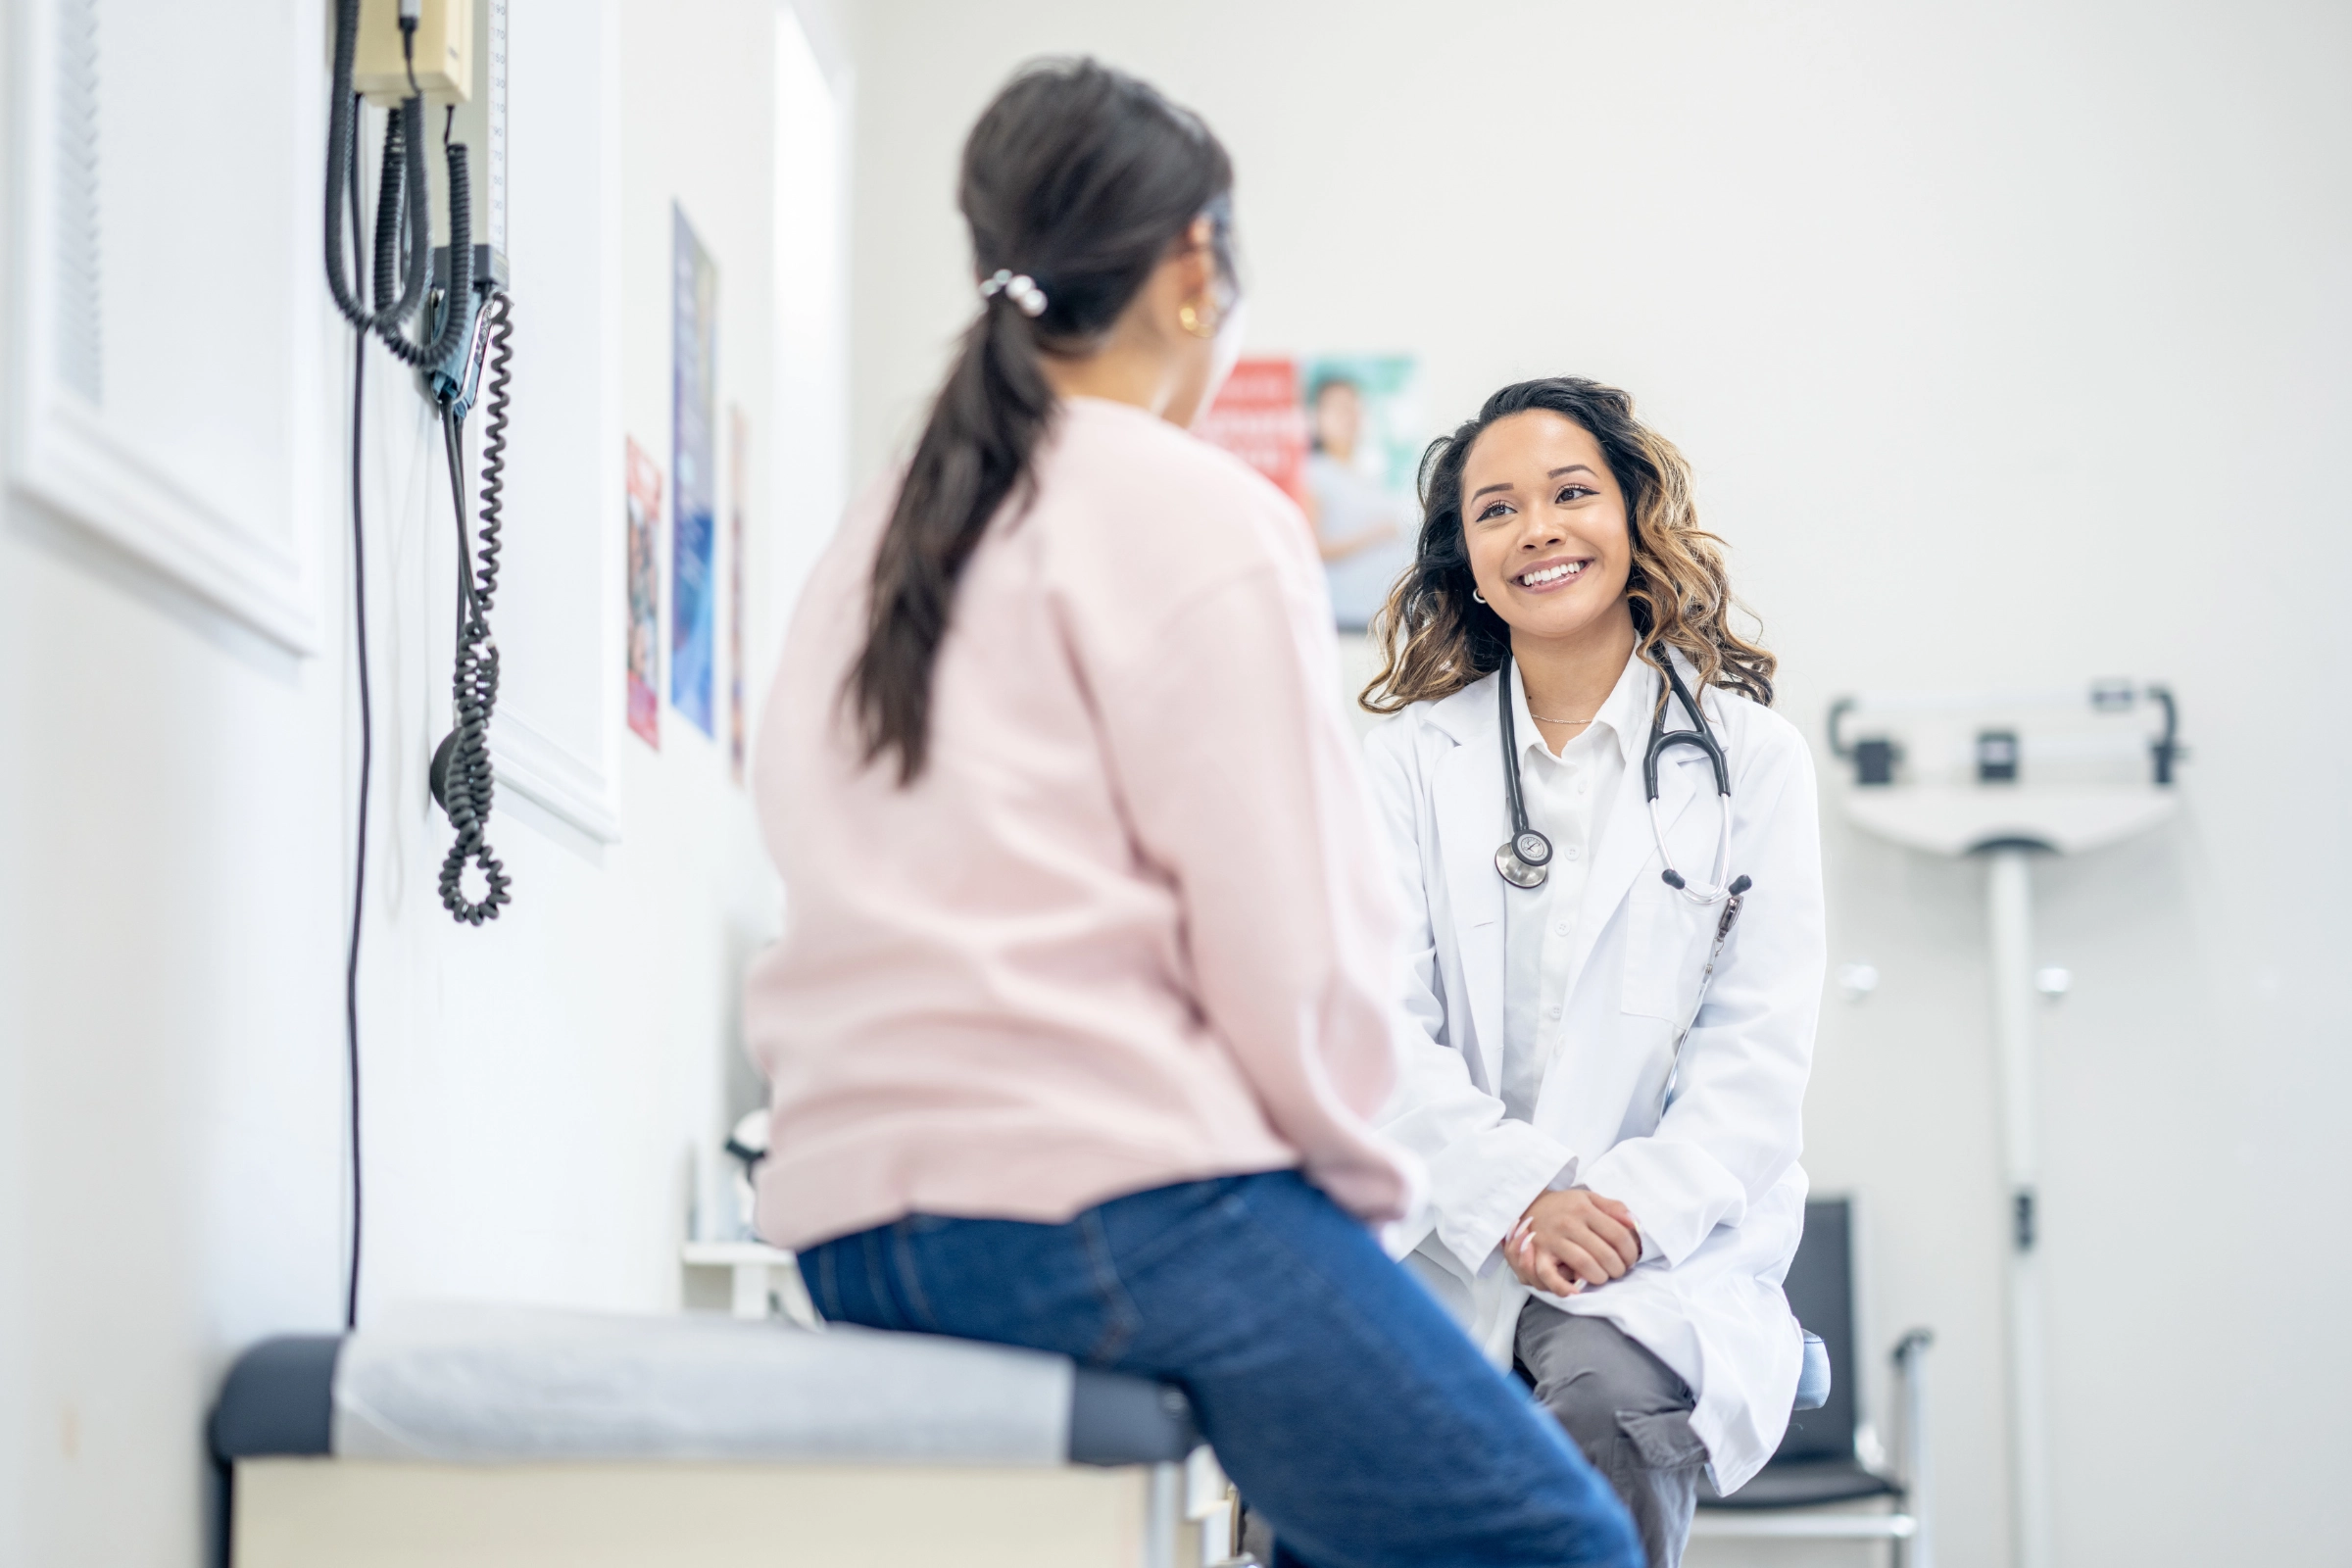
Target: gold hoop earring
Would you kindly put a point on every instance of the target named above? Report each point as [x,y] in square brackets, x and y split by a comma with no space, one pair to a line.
[1189,317]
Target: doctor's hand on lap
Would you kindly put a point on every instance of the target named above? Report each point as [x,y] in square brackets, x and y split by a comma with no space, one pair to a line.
[1567,1241]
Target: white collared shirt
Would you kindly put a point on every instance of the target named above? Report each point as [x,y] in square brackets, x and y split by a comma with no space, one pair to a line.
[1567,798]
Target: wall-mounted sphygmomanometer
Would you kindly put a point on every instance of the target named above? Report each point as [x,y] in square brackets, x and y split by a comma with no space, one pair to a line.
[445,310]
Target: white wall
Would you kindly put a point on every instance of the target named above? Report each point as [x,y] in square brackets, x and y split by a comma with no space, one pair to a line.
[2010,345]
[175,788]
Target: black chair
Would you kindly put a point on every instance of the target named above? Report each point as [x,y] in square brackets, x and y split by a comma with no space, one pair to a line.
[1817,1482]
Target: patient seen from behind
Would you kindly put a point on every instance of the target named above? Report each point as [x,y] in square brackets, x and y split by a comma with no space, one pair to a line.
[1085,1006]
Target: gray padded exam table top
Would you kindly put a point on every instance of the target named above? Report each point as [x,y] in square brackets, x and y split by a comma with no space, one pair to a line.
[496,1383]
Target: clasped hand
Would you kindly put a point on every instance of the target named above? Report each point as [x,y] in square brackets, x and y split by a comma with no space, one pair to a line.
[1567,1241]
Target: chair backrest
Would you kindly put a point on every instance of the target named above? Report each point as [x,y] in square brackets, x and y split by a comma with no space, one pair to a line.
[1821,1293]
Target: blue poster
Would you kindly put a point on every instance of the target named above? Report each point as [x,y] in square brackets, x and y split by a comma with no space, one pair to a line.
[1365,433]
[694,475]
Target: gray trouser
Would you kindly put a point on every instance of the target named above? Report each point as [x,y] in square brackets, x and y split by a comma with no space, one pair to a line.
[1627,1410]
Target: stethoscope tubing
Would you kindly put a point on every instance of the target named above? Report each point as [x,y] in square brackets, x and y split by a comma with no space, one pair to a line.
[1525,860]
[1717,891]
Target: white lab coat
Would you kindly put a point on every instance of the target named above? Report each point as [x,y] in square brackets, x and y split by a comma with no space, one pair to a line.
[1715,1188]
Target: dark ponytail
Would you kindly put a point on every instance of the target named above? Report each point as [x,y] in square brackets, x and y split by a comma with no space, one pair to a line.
[1081,179]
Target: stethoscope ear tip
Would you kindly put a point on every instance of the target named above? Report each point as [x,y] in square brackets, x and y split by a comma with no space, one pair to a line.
[1671,877]
[1740,885]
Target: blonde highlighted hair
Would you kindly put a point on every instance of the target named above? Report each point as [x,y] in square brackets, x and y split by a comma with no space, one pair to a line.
[1435,638]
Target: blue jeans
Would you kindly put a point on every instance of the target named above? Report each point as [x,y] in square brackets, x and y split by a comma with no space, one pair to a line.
[1339,1396]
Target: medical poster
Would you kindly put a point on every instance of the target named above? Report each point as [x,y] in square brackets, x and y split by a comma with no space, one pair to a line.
[694,478]
[1343,434]
[739,434]
[1256,417]
[1366,434]
[644,477]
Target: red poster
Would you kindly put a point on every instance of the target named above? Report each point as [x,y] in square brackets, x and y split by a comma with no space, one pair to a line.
[1260,419]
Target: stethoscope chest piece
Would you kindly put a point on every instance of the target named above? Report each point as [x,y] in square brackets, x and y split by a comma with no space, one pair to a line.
[1525,861]
[1525,858]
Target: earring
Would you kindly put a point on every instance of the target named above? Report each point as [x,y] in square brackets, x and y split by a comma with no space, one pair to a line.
[1189,317]
[1475,594]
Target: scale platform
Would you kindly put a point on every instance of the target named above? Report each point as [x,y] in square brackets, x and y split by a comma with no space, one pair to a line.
[1967,818]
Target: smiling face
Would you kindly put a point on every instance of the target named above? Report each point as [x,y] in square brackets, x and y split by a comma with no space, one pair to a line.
[1543,521]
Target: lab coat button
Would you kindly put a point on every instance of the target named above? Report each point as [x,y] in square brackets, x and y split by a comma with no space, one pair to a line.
[1559,928]
[1552,1011]
[1573,852]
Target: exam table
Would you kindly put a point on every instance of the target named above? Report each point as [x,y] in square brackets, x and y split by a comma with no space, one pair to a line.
[471,1437]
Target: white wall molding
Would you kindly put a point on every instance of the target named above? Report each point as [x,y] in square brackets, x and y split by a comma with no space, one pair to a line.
[556,734]
[67,457]
[92,426]
[579,790]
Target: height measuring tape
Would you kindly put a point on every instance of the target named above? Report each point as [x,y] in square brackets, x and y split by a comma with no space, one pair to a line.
[497,106]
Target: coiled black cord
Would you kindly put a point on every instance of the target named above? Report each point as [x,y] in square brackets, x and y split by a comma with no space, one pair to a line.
[342,129]
[467,783]
[494,436]
[400,214]
[397,291]
[458,290]
[403,229]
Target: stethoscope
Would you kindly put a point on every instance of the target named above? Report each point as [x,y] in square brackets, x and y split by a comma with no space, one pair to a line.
[1524,858]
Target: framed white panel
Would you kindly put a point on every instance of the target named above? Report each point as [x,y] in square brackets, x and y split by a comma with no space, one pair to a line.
[555,738]
[170,407]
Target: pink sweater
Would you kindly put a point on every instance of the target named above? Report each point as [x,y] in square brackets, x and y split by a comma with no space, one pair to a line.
[1128,927]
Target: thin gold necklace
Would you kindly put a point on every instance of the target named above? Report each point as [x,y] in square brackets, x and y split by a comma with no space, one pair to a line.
[1571,723]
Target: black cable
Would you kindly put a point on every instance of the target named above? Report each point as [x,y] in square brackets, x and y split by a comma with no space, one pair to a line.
[494,439]
[401,253]
[392,225]
[359,873]
[402,214]
[458,290]
[341,130]
[468,785]
[402,198]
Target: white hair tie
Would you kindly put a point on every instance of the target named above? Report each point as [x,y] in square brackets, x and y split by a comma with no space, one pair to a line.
[1018,287]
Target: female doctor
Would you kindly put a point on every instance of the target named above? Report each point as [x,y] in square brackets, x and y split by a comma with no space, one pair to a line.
[1614,1189]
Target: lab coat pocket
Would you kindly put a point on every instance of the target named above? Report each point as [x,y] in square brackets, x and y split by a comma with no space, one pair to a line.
[1659,938]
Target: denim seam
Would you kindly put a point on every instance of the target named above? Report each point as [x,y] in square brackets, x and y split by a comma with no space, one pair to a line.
[1221,1198]
[910,1283]
[828,1286]
[1118,1306]
[877,1282]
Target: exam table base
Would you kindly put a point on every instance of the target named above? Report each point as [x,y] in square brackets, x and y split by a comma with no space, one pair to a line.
[340,1513]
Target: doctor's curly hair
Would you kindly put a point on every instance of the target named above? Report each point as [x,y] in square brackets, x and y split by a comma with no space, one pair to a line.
[1434,639]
